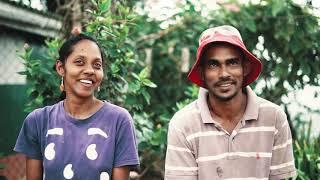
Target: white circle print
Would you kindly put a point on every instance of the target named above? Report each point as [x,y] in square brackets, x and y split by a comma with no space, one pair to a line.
[91,152]
[68,172]
[104,176]
[49,151]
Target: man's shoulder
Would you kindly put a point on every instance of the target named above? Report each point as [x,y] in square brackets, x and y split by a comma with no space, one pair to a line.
[186,116]
[266,104]
[270,111]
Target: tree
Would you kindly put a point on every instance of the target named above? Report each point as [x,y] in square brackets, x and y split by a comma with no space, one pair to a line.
[125,81]
[284,35]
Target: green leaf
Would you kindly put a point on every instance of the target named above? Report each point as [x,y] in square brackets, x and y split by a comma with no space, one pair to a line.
[295,46]
[130,100]
[131,61]
[144,73]
[251,25]
[114,69]
[148,83]
[147,133]
[28,53]
[154,142]
[94,2]
[45,71]
[100,18]
[22,72]
[89,11]
[134,86]
[126,29]
[146,96]
[104,5]
[39,100]
[136,76]
[143,145]
[277,6]
[305,68]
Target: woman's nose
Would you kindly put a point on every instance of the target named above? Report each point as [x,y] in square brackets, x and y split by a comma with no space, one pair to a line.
[89,70]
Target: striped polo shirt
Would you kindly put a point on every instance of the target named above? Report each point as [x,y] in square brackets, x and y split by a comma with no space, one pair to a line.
[259,148]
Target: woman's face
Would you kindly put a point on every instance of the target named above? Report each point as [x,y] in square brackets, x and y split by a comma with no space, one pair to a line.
[83,70]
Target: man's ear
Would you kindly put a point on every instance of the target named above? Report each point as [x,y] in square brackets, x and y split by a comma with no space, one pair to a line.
[201,73]
[246,68]
[60,68]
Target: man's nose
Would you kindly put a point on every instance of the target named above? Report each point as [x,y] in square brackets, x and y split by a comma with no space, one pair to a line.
[224,72]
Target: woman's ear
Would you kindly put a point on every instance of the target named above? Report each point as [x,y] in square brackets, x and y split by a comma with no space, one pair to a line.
[60,68]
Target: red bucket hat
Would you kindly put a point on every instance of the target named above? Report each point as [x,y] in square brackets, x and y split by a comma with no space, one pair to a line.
[229,35]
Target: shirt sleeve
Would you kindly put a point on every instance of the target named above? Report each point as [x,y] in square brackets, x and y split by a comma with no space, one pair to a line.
[282,162]
[180,159]
[28,141]
[126,153]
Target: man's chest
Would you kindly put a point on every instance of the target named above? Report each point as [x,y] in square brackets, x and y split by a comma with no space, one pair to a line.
[246,152]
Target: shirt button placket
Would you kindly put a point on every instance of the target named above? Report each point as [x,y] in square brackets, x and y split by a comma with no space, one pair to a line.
[230,147]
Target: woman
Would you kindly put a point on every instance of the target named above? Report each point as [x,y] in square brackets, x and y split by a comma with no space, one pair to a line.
[80,137]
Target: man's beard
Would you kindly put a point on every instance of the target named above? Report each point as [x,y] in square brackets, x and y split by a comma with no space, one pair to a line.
[221,97]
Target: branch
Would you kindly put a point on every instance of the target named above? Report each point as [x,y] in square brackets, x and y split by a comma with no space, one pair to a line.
[161,33]
[147,168]
[65,6]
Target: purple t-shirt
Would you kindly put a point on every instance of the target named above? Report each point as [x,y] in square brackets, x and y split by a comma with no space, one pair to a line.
[79,149]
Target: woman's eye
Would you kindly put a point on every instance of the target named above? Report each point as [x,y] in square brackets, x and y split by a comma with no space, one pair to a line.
[97,65]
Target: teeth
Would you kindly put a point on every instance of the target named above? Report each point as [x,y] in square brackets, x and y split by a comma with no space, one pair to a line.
[225,84]
[86,81]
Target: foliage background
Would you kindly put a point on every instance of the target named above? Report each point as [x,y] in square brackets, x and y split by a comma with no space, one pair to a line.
[284,35]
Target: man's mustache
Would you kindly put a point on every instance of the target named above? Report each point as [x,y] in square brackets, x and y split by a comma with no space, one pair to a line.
[225,81]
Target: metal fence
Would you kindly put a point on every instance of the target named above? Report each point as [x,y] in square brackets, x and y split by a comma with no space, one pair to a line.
[10,63]
[12,99]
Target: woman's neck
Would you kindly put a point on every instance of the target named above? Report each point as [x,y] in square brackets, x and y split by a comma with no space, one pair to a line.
[82,108]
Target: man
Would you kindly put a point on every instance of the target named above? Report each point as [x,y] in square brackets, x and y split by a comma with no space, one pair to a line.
[228,132]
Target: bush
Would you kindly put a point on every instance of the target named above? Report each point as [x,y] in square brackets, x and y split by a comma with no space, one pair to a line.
[125,80]
[306,150]
[277,26]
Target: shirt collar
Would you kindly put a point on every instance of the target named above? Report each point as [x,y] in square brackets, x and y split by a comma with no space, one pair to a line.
[251,112]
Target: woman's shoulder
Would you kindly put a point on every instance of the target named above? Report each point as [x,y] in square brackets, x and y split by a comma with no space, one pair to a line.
[48,108]
[39,113]
[115,110]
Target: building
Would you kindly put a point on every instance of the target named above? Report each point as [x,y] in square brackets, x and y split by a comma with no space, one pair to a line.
[19,24]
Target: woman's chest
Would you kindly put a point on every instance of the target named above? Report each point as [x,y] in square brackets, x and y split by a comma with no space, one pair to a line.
[72,152]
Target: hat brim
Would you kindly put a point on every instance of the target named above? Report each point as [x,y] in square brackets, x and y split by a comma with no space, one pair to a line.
[255,69]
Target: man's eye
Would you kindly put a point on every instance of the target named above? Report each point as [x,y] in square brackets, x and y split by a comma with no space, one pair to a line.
[79,62]
[212,64]
[234,62]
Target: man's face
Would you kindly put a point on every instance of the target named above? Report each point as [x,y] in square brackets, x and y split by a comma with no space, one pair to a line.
[223,71]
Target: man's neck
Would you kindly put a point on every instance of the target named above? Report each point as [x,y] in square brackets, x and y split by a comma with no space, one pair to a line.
[231,110]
